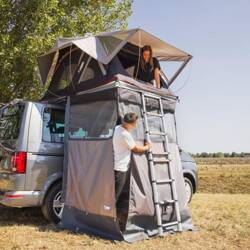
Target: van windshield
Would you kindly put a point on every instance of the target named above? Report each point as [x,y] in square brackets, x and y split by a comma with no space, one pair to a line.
[10,121]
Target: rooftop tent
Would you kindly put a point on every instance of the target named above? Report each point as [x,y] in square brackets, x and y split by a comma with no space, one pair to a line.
[68,61]
[89,189]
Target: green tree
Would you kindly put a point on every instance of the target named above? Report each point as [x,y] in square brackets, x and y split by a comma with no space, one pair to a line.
[29,28]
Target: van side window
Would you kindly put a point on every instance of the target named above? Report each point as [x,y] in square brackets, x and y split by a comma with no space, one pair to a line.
[53,125]
[10,121]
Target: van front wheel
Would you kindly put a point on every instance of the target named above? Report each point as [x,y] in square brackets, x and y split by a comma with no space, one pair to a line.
[189,190]
[52,206]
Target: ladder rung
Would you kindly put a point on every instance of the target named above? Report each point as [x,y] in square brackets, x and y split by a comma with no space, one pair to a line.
[160,154]
[157,133]
[154,114]
[169,224]
[161,161]
[164,181]
[167,202]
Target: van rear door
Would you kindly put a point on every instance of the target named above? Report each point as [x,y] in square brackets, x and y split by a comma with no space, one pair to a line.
[10,124]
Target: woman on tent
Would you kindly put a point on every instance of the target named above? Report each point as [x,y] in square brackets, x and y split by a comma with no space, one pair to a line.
[148,68]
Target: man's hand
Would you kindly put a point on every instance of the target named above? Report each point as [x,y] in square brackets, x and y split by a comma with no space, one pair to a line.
[139,149]
[147,145]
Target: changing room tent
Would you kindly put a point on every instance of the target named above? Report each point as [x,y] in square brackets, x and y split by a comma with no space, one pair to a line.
[92,74]
[89,175]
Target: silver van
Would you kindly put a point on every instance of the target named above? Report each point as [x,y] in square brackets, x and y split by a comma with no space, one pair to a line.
[31,156]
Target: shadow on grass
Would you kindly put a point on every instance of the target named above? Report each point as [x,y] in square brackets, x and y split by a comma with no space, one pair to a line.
[28,217]
[25,217]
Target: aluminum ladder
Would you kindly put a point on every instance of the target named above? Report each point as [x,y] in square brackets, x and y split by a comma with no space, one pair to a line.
[152,161]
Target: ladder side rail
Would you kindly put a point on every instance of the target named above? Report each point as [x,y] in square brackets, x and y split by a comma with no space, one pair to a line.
[173,184]
[152,171]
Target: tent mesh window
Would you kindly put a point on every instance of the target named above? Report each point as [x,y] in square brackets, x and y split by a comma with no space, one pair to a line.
[92,71]
[126,107]
[66,77]
[65,69]
[92,120]
[169,121]
[128,57]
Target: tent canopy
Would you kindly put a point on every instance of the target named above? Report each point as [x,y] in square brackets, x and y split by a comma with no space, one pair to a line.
[105,46]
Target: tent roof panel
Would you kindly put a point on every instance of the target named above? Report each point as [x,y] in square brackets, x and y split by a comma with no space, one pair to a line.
[104,46]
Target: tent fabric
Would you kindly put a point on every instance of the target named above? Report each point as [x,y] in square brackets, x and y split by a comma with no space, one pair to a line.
[88,181]
[141,222]
[135,97]
[93,224]
[95,85]
[147,87]
[89,191]
[105,46]
[88,176]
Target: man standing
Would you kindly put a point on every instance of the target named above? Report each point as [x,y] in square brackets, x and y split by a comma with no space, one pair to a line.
[124,143]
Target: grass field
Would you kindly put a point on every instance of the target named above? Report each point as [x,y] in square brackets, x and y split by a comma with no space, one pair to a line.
[223,161]
[227,178]
[220,211]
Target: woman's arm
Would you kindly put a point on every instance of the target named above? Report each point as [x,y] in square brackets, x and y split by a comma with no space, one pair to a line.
[157,75]
[157,78]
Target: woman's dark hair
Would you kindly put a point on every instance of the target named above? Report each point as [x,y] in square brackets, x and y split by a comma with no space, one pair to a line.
[142,62]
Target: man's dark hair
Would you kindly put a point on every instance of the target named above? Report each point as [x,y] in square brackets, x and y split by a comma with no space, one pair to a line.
[130,118]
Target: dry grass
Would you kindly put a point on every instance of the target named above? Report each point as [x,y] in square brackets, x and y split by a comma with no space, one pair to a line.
[224,178]
[223,161]
[223,221]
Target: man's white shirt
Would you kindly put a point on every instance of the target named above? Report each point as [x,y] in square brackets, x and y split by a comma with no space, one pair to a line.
[123,142]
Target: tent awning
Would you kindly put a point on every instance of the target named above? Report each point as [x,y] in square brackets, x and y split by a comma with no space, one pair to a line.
[104,46]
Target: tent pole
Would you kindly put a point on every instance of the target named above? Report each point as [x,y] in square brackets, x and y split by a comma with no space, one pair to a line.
[79,72]
[66,140]
[179,71]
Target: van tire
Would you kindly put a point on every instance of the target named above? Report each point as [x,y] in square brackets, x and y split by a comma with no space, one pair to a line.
[47,207]
[189,189]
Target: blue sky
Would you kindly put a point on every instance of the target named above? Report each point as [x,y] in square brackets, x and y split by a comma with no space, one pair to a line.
[214,110]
